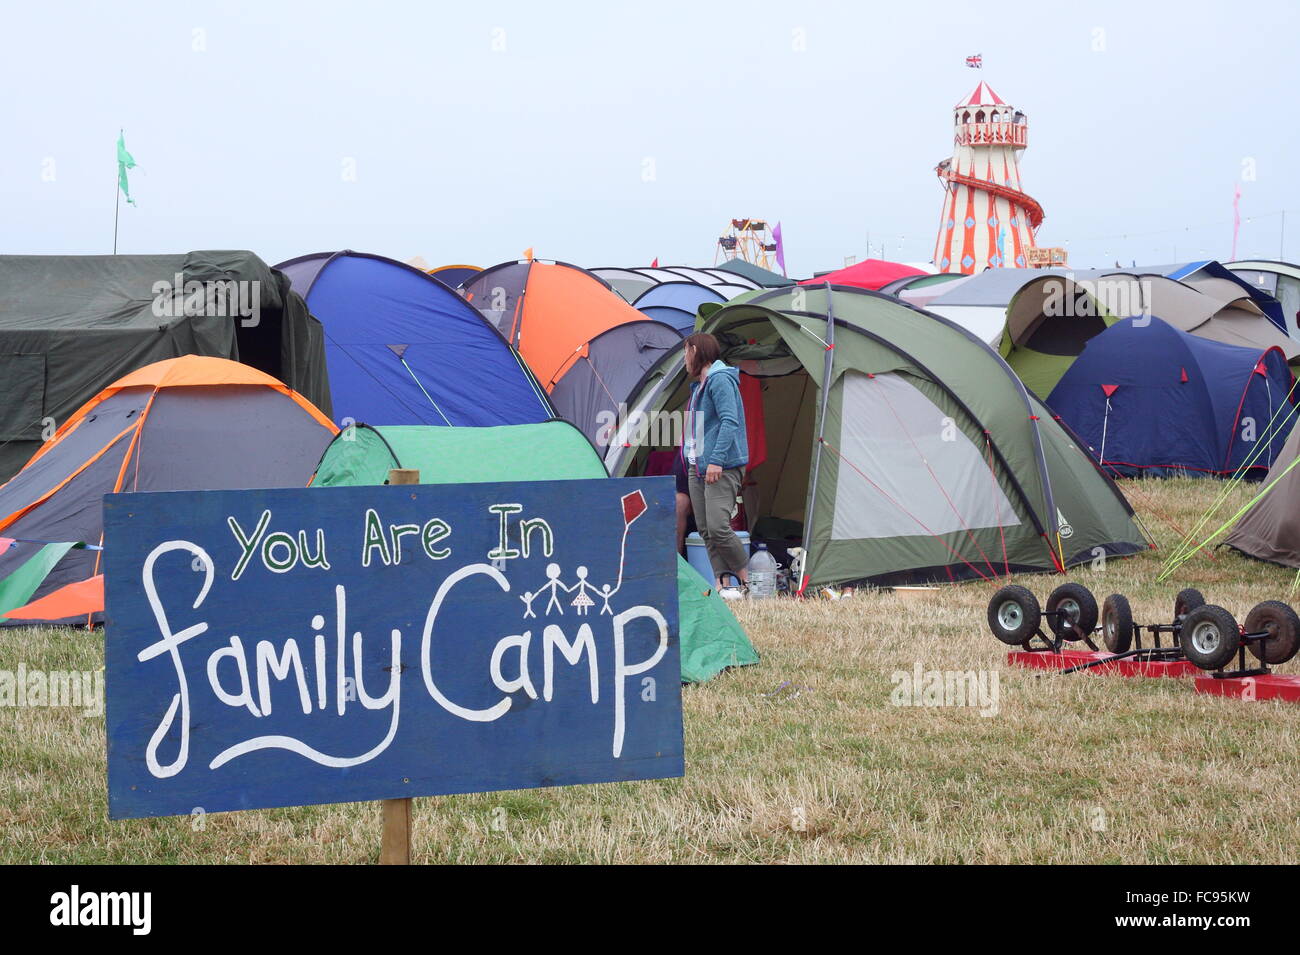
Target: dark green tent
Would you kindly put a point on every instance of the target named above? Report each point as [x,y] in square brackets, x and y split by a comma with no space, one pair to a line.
[711,639]
[71,325]
[764,277]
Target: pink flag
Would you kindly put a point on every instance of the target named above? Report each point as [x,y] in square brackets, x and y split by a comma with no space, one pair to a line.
[780,247]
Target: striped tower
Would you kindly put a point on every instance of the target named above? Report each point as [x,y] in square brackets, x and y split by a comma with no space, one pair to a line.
[988,220]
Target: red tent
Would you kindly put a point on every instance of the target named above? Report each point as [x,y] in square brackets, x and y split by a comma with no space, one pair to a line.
[869,274]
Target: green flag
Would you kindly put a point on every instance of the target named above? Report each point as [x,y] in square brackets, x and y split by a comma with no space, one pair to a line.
[124,162]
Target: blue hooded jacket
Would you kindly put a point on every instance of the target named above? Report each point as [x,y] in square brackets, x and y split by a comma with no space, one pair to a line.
[716,417]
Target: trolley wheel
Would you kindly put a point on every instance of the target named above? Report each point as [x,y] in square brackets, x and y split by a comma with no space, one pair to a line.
[1014,614]
[1209,637]
[1283,627]
[1187,601]
[1080,608]
[1117,623]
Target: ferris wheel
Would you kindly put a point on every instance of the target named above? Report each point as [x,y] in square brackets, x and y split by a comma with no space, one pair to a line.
[747,239]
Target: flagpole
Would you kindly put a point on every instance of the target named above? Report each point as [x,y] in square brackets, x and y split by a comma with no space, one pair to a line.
[117,195]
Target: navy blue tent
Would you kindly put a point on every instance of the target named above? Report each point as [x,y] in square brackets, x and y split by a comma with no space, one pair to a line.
[1149,399]
[403,348]
[675,303]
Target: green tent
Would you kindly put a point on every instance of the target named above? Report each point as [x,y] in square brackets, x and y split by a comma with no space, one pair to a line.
[71,325]
[711,639]
[899,447]
[756,273]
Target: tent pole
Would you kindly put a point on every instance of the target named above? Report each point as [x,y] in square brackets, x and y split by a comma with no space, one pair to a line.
[1104,422]
[827,368]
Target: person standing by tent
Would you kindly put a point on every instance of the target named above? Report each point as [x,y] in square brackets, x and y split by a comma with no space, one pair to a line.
[716,453]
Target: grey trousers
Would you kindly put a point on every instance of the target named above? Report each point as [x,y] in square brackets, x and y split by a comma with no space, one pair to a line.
[713,504]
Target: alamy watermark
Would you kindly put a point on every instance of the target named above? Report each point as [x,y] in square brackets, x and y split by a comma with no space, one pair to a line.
[656,429]
[1117,296]
[78,689]
[133,910]
[215,298]
[921,687]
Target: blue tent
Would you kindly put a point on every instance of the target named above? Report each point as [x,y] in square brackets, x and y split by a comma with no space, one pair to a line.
[675,303]
[1149,399]
[403,348]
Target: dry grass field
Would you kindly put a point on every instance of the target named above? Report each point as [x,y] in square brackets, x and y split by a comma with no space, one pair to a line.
[1082,768]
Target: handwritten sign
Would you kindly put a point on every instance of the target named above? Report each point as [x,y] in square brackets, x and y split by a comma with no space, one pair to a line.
[289,647]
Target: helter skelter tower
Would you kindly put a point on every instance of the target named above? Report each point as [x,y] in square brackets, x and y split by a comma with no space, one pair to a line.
[988,220]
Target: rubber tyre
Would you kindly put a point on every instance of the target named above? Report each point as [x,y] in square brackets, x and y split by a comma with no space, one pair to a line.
[1014,615]
[1117,623]
[1209,637]
[1083,606]
[1281,621]
[1187,600]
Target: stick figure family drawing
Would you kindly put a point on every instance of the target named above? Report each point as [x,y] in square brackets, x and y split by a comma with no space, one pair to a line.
[554,587]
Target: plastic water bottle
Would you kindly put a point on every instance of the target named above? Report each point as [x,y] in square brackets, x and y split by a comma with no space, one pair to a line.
[762,573]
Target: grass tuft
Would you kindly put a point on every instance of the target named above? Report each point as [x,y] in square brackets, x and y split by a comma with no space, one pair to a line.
[1075,769]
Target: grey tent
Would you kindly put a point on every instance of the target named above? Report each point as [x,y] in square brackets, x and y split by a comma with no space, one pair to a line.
[978,303]
[71,325]
[591,393]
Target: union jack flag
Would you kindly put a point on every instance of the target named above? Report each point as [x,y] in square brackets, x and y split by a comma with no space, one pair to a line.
[975,62]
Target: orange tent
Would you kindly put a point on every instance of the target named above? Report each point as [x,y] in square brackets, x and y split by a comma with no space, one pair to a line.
[549,311]
[189,423]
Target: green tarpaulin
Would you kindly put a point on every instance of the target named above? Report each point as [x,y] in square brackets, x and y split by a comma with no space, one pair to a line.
[711,638]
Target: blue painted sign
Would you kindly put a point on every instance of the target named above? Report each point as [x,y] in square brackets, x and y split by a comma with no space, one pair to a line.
[288,647]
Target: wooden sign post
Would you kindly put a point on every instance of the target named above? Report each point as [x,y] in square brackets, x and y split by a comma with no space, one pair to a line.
[289,647]
[395,842]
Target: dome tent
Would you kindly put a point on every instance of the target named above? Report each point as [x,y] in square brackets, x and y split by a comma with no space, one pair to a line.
[676,303]
[1052,316]
[1270,529]
[453,276]
[176,425]
[868,274]
[1150,399]
[755,273]
[711,639]
[584,343]
[631,283]
[403,348]
[901,448]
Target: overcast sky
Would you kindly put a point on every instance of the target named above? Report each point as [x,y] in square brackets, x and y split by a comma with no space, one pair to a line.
[610,134]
